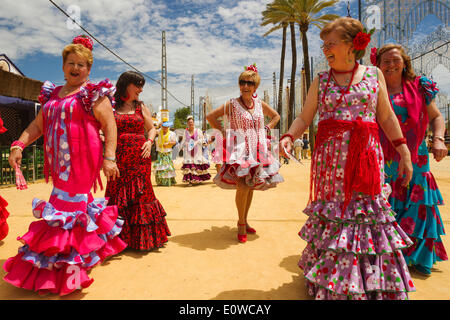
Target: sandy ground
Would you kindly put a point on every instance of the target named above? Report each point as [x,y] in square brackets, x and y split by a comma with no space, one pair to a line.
[203,259]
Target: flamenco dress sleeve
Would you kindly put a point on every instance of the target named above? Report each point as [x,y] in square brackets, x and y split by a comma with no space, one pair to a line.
[430,89]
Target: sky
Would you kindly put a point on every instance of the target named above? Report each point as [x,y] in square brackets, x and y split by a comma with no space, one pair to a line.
[210,39]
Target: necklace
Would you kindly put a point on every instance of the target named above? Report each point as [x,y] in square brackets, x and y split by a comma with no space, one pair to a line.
[247,107]
[338,102]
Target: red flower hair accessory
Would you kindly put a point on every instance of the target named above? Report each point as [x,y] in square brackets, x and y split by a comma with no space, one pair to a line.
[252,68]
[373,55]
[84,40]
[362,39]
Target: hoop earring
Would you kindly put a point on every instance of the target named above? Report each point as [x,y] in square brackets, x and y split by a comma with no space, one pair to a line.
[255,95]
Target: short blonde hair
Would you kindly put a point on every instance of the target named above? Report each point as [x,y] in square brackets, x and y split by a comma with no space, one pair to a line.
[347,28]
[79,50]
[408,72]
[252,75]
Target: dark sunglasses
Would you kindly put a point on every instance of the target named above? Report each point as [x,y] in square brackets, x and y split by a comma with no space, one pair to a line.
[245,82]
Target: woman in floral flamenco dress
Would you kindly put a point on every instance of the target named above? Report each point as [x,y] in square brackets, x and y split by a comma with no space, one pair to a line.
[354,248]
[145,226]
[75,231]
[416,205]
[195,166]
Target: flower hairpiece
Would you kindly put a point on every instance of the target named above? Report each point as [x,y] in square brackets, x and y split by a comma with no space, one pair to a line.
[362,39]
[252,68]
[84,40]
[373,56]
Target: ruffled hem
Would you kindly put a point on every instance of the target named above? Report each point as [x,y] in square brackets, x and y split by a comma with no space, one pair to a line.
[421,190]
[194,178]
[145,237]
[62,281]
[344,275]
[256,175]
[425,253]
[161,181]
[4,214]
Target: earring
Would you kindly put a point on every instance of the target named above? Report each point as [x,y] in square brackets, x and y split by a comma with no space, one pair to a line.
[254,95]
[125,98]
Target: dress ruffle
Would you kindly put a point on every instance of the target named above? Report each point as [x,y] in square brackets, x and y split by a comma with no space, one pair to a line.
[63,245]
[356,258]
[256,175]
[91,92]
[4,214]
[195,173]
[429,87]
[46,92]
[145,226]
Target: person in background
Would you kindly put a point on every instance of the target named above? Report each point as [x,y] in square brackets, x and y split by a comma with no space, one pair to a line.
[298,147]
[412,99]
[145,226]
[164,169]
[305,147]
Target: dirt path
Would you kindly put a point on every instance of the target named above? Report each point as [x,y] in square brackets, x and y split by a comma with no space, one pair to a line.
[203,259]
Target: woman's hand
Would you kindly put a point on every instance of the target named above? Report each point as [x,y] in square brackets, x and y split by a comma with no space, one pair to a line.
[439,150]
[146,149]
[286,145]
[15,156]
[405,167]
[110,170]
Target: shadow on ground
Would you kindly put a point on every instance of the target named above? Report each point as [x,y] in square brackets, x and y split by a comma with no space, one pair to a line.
[217,238]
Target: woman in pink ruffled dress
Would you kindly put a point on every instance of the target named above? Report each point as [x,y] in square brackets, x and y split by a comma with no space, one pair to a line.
[354,245]
[249,164]
[74,231]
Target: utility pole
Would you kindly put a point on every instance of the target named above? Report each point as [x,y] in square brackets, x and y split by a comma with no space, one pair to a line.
[192,96]
[274,90]
[163,73]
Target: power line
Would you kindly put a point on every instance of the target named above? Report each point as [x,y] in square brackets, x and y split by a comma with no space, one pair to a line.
[113,53]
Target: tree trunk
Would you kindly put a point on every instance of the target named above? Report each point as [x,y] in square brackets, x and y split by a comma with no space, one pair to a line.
[280,87]
[303,30]
[291,107]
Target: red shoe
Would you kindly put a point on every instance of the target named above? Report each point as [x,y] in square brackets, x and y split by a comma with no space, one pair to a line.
[242,238]
[250,230]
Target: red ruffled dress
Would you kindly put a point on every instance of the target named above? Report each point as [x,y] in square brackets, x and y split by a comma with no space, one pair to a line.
[3,212]
[74,231]
[145,226]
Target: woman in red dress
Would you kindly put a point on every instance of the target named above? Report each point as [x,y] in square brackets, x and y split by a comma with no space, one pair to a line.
[145,227]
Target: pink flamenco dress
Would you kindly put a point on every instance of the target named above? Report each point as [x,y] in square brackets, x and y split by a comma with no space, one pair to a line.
[4,228]
[74,231]
[354,244]
[247,153]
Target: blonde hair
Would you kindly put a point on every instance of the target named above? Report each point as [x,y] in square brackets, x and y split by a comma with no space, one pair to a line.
[408,72]
[79,50]
[252,75]
[347,28]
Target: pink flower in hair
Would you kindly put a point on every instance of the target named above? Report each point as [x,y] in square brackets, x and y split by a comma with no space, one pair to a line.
[252,67]
[373,56]
[84,40]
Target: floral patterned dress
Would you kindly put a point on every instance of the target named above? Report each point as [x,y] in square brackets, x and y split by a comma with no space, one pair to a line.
[74,230]
[353,251]
[145,225]
[417,205]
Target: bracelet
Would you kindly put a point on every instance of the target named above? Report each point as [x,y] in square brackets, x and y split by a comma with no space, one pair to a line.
[439,138]
[150,140]
[17,145]
[398,142]
[287,135]
[113,159]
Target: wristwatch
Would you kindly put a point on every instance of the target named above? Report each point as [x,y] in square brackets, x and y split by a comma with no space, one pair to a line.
[439,138]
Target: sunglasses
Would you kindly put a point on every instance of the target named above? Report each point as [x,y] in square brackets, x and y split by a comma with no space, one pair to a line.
[245,82]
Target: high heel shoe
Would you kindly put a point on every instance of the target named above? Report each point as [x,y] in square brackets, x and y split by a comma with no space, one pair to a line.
[250,230]
[242,238]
